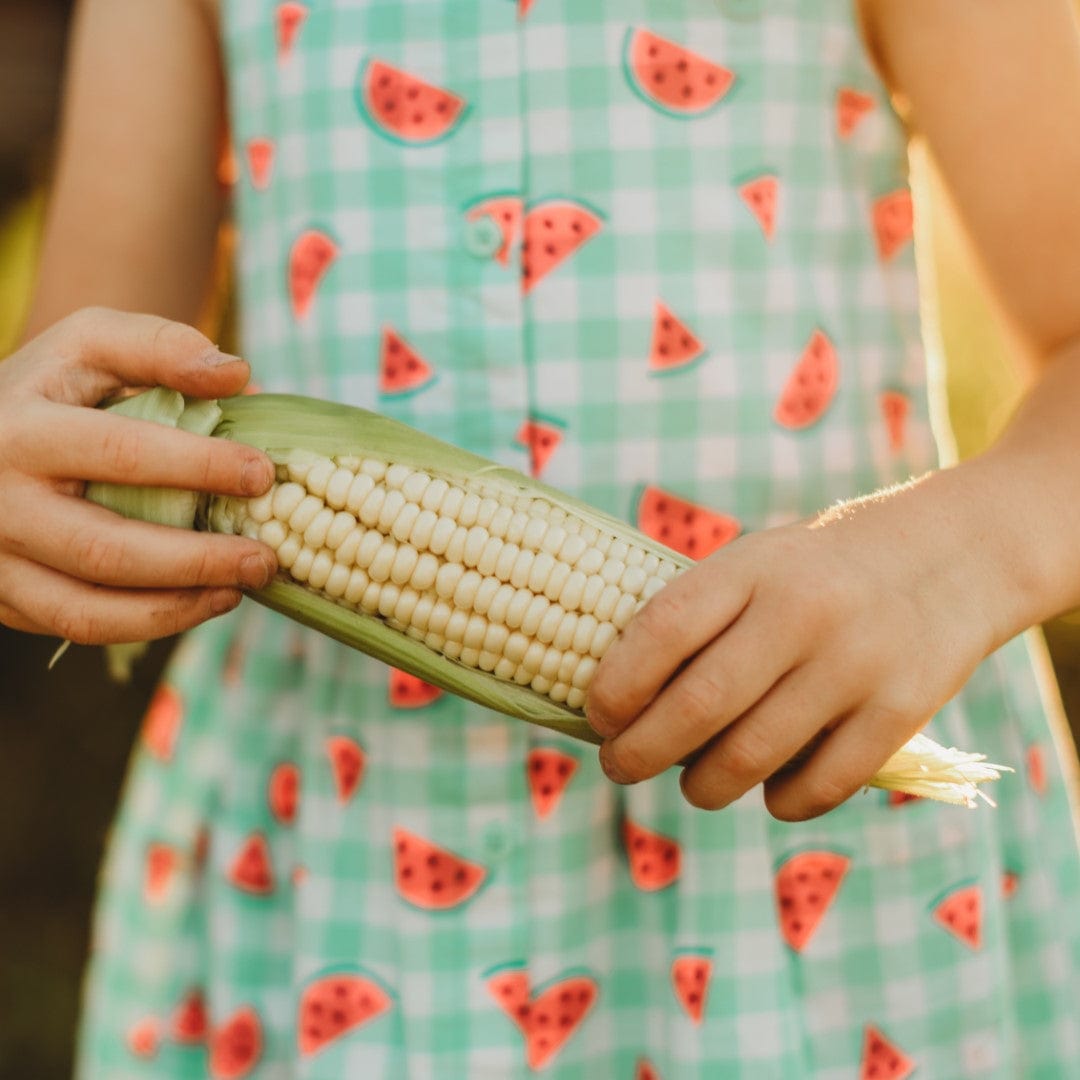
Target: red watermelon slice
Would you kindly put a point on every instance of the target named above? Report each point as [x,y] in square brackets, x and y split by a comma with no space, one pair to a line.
[336,1004]
[554,230]
[851,107]
[961,914]
[405,109]
[655,859]
[189,1021]
[811,386]
[144,1037]
[645,1070]
[894,222]
[895,407]
[761,196]
[312,255]
[506,212]
[260,161]
[347,763]
[409,692]
[283,792]
[1036,769]
[251,870]
[673,79]
[541,436]
[162,862]
[548,771]
[402,370]
[548,1020]
[881,1060]
[161,724]
[689,528]
[690,976]
[806,885]
[236,1046]
[288,19]
[674,344]
[523,8]
[430,876]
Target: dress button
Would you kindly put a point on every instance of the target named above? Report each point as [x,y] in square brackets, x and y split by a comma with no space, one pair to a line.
[483,237]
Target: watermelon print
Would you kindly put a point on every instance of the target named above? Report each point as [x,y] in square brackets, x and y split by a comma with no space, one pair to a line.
[162,862]
[894,222]
[674,344]
[960,912]
[144,1038]
[851,107]
[162,721]
[283,792]
[541,437]
[410,692]
[1010,884]
[336,1005]
[506,212]
[402,370]
[312,255]
[260,162]
[347,764]
[811,386]
[655,859]
[645,1070]
[895,407]
[288,20]
[806,885]
[553,231]
[548,771]
[547,1020]
[189,1022]
[236,1046]
[404,108]
[523,7]
[431,877]
[761,196]
[690,977]
[690,529]
[881,1060]
[1036,769]
[671,78]
[251,870]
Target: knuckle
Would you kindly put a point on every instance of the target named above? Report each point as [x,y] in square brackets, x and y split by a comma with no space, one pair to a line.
[745,755]
[815,797]
[608,696]
[77,624]
[702,797]
[121,448]
[698,697]
[660,618]
[99,559]
[175,338]
[631,761]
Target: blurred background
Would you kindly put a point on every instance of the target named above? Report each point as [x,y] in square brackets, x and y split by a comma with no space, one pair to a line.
[65,736]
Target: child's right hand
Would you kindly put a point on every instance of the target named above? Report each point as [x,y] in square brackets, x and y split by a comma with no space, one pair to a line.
[73,569]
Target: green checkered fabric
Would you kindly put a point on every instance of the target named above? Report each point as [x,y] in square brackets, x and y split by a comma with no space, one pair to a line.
[571,220]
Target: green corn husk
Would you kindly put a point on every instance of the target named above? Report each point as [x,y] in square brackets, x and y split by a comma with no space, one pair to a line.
[285,426]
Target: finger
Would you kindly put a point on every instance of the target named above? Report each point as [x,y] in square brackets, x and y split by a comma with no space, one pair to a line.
[94,615]
[837,768]
[100,351]
[13,620]
[676,623]
[92,544]
[719,685]
[120,450]
[766,737]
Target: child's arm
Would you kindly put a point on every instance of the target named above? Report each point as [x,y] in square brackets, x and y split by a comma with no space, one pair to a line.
[131,225]
[854,629]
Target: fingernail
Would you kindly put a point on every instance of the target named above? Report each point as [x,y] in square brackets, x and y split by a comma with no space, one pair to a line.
[256,476]
[611,770]
[216,358]
[255,571]
[224,600]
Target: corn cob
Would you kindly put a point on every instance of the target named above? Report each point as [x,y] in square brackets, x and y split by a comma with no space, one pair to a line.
[466,574]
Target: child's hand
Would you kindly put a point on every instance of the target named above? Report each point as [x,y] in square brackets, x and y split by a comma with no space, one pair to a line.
[73,569]
[852,630]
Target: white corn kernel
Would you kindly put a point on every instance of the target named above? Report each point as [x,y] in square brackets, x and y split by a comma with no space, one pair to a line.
[250,529]
[435,641]
[583,635]
[485,512]
[288,550]
[489,557]
[415,633]
[568,667]
[651,563]
[541,685]
[273,533]
[392,505]
[465,593]
[534,614]
[315,533]
[298,466]
[540,570]
[619,549]
[519,576]
[633,580]
[337,488]
[433,496]
[397,474]
[475,540]
[564,636]
[549,624]
[523,676]
[452,503]
[504,669]
[624,611]
[452,649]
[359,490]
[591,561]
[403,523]
[516,646]
[495,638]
[500,521]
[560,574]
[421,614]
[584,672]
[405,560]
[549,666]
[534,534]
[589,533]
[342,525]
[379,570]
[554,539]
[470,507]
[455,627]
[500,602]
[416,483]
[388,599]
[515,530]
[635,556]
[456,548]
[559,692]
[370,600]
[375,468]
[321,566]
[420,536]
[504,564]
[287,497]
[406,605]
[475,630]
[572,549]
[602,640]
[372,505]
[612,570]
[594,586]
[301,566]
[370,545]
[262,508]
[575,699]
[605,606]
[426,572]
[485,593]
[534,656]
[487,660]
[570,597]
[652,587]
[667,571]
[358,582]
[304,514]
[318,476]
[540,508]
[440,616]
[446,580]
[518,606]
[441,533]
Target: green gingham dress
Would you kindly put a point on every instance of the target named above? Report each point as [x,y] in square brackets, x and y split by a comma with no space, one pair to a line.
[705,303]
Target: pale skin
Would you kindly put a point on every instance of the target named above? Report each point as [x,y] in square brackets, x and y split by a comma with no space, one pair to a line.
[847,632]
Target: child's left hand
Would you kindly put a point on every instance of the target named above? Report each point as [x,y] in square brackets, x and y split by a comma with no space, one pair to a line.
[845,633]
